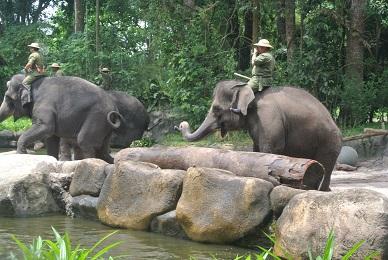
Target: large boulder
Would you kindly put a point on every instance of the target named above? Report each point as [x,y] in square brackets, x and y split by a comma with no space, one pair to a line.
[217,206]
[84,206]
[280,196]
[353,215]
[348,155]
[168,225]
[137,192]
[24,189]
[89,176]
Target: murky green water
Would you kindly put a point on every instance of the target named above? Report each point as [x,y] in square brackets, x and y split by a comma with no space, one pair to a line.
[135,244]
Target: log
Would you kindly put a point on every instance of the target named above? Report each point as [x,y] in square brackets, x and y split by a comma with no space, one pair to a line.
[368,132]
[277,169]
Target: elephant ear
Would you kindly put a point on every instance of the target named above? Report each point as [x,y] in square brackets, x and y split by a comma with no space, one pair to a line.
[244,96]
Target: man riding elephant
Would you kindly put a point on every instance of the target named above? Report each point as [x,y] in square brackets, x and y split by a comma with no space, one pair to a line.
[56,70]
[33,69]
[263,64]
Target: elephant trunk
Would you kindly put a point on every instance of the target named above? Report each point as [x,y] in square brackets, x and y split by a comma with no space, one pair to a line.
[208,126]
[5,111]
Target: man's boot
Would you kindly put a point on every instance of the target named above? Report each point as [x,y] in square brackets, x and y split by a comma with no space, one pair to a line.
[26,94]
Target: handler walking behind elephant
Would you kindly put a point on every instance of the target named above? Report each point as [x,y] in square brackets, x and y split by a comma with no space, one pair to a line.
[33,70]
[106,83]
[263,64]
[56,70]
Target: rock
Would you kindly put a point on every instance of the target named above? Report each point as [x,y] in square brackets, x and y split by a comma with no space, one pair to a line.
[6,139]
[345,167]
[89,176]
[68,166]
[24,189]
[219,207]
[168,225]
[136,192]
[280,196]
[348,155]
[59,184]
[353,215]
[85,206]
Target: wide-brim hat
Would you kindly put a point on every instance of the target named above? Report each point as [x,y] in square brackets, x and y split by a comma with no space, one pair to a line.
[34,45]
[263,43]
[55,65]
[105,70]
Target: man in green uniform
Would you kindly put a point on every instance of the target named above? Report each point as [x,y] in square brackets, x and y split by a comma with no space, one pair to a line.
[263,64]
[56,70]
[33,70]
[106,83]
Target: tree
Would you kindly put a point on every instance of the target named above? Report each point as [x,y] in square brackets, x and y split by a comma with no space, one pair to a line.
[290,28]
[79,16]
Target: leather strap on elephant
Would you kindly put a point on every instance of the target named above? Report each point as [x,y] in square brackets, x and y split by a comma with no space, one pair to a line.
[114,119]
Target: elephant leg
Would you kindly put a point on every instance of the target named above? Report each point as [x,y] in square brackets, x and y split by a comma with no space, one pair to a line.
[328,160]
[52,145]
[103,152]
[78,155]
[35,133]
[65,150]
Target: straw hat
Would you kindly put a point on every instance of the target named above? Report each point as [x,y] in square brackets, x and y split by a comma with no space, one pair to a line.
[263,43]
[34,45]
[55,65]
[105,70]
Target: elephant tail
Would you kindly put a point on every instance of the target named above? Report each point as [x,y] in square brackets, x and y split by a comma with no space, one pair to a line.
[114,119]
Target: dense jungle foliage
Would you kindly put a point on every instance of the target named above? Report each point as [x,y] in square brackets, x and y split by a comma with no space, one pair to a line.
[171,53]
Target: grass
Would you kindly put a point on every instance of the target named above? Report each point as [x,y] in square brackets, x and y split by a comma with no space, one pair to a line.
[62,249]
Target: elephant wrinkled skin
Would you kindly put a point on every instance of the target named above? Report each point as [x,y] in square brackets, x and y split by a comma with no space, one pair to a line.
[64,107]
[281,120]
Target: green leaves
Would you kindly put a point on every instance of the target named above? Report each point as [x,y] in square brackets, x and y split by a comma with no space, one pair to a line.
[61,248]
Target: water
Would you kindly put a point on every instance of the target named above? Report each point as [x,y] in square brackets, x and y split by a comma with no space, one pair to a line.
[135,244]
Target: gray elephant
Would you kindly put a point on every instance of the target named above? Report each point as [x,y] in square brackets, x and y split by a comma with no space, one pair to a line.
[134,124]
[64,107]
[281,120]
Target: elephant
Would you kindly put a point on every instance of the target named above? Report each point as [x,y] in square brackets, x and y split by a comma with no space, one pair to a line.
[64,107]
[134,124]
[280,120]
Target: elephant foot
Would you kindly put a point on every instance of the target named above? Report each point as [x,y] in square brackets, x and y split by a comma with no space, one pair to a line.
[21,150]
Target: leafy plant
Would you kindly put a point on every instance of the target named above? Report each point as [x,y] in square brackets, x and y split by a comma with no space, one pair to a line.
[61,249]
[15,126]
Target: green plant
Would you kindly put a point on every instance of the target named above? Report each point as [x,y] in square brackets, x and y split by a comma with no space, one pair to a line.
[61,249]
[15,126]
[144,142]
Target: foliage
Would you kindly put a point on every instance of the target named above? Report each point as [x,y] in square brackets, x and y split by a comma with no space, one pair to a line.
[15,126]
[144,142]
[61,249]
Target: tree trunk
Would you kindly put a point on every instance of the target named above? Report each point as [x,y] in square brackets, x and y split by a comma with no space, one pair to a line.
[354,68]
[255,21]
[277,169]
[244,61]
[79,16]
[280,21]
[290,28]
[98,43]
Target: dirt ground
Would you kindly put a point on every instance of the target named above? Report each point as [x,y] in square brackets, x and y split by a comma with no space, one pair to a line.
[370,174]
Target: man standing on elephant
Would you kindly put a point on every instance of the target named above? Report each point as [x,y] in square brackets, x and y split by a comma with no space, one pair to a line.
[33,70]
[263,64]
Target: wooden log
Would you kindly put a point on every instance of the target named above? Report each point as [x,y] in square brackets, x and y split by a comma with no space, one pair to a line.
[277,169]
[368,132]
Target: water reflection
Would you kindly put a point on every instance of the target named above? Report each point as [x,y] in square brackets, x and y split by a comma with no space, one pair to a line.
[135,244]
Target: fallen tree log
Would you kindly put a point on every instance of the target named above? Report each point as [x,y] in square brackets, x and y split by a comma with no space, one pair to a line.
[277,169]
[368,132]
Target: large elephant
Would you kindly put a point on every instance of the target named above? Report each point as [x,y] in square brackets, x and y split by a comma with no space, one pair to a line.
[134,124]
[281,120]
[64,107]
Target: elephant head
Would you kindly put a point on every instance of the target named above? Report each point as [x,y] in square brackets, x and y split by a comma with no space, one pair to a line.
[12,103]
[227,94]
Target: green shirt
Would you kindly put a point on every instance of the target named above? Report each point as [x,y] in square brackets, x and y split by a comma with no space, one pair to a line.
[106,81]
[264,65]
[58,73]
[36,61]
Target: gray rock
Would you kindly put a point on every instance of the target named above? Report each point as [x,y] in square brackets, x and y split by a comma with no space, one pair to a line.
[59,184]
[24,189]
[369,147]
[168,225]
[353,215]
[217,206]
[6,139]
[136,192]
[89,176]
[348,155]
[280,196]
[85,206]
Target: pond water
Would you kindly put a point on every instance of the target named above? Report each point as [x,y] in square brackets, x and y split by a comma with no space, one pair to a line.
[135,244]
